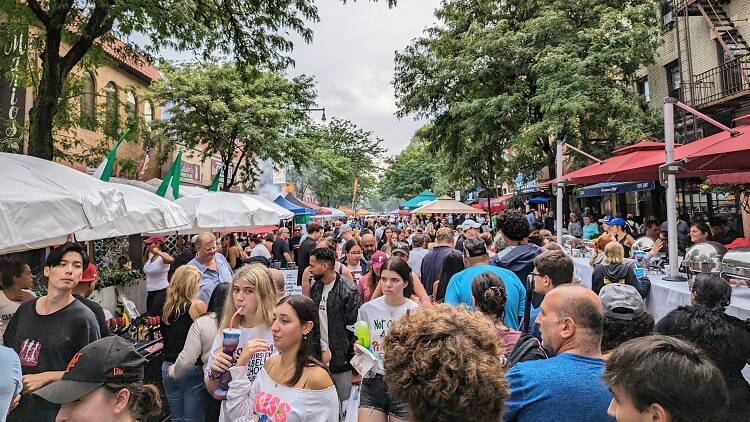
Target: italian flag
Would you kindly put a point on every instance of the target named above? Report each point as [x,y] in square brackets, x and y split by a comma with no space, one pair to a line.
[215,183]
[104,171]
[170,186]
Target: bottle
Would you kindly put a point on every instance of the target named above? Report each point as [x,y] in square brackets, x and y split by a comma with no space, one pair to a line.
[119,308]
[157,327]
[362,331]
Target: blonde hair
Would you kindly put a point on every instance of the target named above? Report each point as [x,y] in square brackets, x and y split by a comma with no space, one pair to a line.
[260,281]
[613,253]
[181,291]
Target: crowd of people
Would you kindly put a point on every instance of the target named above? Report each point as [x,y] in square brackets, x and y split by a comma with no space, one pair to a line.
[470,319]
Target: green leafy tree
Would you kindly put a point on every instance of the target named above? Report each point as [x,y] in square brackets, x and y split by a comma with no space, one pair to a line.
[241,116]
[341,151]
[500,81]
[410,172]
[256,32]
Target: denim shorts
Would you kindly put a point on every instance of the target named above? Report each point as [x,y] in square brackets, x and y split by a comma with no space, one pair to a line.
[374,395]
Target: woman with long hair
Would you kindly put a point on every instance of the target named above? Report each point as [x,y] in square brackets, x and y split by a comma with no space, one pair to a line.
[184,393]
[386,241]
[16,279]
[253,296]
[380,314]
[490,297]
[294,385]
[353,260]
[198,344]
[453,263]
[369,282]
[232,251]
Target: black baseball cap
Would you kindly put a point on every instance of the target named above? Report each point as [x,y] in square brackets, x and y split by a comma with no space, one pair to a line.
[108,360]
[474,247]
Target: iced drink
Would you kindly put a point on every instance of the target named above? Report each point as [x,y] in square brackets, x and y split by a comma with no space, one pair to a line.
[229,345]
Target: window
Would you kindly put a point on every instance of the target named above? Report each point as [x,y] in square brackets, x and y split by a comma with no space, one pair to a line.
[112,103]
[131,108]
[643,89]
[667,16]
[148,114]
[88,102]
[674,79]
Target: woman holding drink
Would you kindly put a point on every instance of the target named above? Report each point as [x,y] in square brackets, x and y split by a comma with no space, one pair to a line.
[252,300]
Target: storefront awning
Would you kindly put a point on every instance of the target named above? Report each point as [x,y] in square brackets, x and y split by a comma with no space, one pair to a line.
[729,178]
[609,188]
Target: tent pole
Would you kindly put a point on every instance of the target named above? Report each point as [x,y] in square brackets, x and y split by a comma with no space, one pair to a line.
[559,170]
[673,274]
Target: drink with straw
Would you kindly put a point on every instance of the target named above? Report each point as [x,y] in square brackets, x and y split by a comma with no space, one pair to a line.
[230,343]
[362,331]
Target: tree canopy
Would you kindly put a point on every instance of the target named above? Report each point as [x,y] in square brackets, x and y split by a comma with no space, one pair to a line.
[241,116]
[499,81]
[410,172]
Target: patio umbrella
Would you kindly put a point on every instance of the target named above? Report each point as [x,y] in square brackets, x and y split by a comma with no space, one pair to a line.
[422,199]
[41,202]
[447,205]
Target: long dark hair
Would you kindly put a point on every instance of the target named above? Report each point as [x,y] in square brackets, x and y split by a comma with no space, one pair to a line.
[712,291]
[218,298]
[453,263]
[403,270]
[489,294]
[309,353]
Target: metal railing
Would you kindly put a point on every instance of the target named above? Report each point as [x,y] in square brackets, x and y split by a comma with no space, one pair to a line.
[726,81]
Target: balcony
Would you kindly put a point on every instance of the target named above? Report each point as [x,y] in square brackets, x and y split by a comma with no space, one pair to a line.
[725,83]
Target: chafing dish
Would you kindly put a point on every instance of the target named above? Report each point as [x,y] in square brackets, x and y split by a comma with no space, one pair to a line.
[735,266]
[574,245]
[704,257]
[642,244]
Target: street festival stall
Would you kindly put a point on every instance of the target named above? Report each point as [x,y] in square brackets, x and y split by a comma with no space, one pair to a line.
[420,200]
[447,205]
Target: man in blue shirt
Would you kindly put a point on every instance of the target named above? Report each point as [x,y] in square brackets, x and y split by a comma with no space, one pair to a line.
[214,266]
[567,387]
[476,260]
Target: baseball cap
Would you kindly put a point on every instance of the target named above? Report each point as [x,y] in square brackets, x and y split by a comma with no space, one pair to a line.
[617,222]
[153,239]
[400,247]
[607,218]
[378,259]
[469,223]
[89,274]
[621,301]
[474,246]
[110,359]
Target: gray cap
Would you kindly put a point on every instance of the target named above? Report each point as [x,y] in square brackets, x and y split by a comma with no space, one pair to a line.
[621,301]
[474,247]
[402,247]
[469,223]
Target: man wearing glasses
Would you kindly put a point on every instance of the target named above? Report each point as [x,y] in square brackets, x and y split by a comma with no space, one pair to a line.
[551,269]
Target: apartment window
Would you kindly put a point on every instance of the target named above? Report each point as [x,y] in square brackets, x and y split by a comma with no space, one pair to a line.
[132,106]
[643,89]
[112,103]
[674,79]
[667,15]
[148,114]
[88,102]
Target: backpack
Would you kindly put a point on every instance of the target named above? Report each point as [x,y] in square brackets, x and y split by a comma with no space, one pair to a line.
[527,348]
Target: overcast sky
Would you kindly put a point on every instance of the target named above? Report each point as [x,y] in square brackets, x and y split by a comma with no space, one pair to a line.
[351,58]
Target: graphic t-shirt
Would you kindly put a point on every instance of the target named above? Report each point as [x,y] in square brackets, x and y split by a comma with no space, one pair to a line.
[379,317]
[254,365]
[8,308]
[47,343]
[323,312]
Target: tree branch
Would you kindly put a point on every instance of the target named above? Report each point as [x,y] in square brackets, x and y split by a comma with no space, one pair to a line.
[40,14]
[100,22]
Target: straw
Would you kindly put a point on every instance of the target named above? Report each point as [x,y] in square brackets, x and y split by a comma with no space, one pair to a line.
[231,320]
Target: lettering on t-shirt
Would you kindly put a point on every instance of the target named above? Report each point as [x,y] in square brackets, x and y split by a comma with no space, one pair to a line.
[270,408]
[30,350]
[255,364]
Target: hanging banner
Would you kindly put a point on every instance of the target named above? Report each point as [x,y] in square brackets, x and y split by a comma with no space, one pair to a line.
[12,94]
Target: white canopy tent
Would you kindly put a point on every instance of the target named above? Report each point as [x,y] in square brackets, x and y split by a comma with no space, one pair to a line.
[447,205]
[41,202]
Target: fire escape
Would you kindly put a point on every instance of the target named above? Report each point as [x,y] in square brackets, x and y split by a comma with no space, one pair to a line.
[718,88]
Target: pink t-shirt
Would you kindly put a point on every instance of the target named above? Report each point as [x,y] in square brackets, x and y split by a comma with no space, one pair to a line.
[510,338]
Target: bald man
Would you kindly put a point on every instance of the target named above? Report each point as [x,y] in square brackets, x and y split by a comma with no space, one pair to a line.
[568,386]
[214,266]
[368,245]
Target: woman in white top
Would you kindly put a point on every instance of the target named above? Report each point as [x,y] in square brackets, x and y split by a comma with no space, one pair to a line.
[254,295]
[293,386]
[156,267]
[16,278]
[380,314]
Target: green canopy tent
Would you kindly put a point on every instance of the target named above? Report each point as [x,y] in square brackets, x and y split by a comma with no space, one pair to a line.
[420,200]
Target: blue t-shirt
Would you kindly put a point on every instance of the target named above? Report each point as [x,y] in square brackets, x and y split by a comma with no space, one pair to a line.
[533,328]
[10,381]
[565,388]
[459,291]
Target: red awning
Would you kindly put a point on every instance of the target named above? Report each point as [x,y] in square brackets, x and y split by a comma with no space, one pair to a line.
[497,204]
[317,208]
[729,178]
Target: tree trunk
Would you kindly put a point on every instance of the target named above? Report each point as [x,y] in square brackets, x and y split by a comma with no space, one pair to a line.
[44,108]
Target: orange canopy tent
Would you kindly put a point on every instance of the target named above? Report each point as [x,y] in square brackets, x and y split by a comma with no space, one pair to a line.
[346,210]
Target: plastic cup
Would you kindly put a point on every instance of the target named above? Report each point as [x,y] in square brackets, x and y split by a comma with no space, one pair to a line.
[229,344]
[639,272]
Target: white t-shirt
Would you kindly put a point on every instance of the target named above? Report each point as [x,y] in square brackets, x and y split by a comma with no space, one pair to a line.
[323,313]
[267,400]
[255,364]
[8,308]
[156,273]
[260,250]
[379,318]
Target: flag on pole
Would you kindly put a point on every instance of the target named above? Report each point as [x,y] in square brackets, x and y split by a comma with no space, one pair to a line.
[146,160]
[354,195]
[217,178]
[104,171]
[170,186]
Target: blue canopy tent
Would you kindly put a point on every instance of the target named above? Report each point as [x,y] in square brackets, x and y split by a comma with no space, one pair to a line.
[539,200]
[420,200]
[295,201]
[297,210]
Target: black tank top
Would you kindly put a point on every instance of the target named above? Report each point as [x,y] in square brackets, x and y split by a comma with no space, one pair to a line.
[624,247]
[175,333]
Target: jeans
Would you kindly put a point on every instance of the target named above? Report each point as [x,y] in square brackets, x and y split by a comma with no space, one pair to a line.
[185,394]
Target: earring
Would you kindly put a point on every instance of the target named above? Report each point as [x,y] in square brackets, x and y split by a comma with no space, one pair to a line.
[304,337]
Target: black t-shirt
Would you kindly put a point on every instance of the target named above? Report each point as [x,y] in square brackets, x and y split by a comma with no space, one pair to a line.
[98,313]
[294,244]
[279,247]
[307,246]
[47,343]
